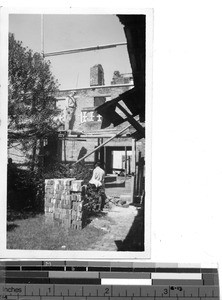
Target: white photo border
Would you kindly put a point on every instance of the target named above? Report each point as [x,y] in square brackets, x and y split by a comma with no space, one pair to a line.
[56,254]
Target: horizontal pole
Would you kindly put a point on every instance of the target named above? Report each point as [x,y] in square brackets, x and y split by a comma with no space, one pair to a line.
[78,50]
[97,87]
[85,136]
[89,136]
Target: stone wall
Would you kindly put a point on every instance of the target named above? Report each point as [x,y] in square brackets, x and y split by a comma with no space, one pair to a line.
[64,201]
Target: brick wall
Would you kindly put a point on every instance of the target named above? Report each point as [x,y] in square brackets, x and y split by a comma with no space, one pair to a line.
[119,78]
[85,99]
[96,75]
[87,121]
[74,150]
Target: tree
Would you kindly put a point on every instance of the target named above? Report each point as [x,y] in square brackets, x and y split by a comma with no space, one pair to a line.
[31,103]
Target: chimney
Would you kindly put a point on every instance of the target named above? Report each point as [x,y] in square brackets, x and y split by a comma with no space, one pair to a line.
[96,75]
[117,78]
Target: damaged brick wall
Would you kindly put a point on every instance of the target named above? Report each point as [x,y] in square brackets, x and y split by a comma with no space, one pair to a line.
[85,99]
[83,117]
[97,75]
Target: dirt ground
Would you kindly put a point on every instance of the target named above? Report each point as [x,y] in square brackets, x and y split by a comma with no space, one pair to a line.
[116,224]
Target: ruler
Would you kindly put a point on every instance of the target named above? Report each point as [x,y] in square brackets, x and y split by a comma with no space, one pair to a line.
[103,280]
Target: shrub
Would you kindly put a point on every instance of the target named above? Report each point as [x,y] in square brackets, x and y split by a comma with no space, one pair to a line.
[26,188]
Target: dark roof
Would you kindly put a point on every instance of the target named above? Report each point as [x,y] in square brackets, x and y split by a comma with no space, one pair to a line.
[134,99]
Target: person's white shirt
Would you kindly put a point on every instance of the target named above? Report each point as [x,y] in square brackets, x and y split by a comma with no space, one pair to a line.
[98,177]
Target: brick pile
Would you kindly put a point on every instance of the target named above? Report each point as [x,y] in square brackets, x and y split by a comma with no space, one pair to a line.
[64,200]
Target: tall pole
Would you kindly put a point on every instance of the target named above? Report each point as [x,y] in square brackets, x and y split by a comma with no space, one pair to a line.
[41,146]
[42,34]
[133,169]
[125,162]
[133,165]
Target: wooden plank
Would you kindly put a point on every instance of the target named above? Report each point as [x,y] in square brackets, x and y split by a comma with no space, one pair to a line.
[132,121]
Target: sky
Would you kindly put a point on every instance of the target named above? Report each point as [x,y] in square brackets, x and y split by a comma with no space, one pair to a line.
[70,31]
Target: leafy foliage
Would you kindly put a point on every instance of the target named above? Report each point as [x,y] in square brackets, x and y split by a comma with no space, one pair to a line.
[31,103]
[79,171]
[26,187]
[22,189]
[95,198]
[31,115]
[31,118]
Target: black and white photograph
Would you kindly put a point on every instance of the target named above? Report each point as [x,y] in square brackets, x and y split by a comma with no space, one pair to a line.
[68,74]
[78,172]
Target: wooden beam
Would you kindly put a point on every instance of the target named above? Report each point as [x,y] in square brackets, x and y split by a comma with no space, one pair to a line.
[133,169]
[131,120]
[133,165]
[125,162]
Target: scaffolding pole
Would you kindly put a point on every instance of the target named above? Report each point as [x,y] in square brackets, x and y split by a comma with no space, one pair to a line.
[42,34]
[92,48]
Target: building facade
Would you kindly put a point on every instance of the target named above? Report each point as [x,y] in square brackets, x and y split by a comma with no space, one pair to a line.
[84,129]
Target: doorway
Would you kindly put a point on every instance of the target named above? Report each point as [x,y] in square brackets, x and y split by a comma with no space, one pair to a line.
[118,160]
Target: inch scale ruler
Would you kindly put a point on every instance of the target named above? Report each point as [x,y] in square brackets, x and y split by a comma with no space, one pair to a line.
[82,280]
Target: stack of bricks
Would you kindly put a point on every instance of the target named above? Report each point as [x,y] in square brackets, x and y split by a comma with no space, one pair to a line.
[64,199]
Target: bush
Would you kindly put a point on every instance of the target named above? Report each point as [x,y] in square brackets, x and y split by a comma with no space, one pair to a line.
[95,198]
[21,188]
[79,171]
[26,188]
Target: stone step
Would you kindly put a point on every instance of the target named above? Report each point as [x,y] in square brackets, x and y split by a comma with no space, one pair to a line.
[126,197]
[110,178]
[115,184]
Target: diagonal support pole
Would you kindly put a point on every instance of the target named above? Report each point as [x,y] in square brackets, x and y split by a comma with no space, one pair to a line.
[101,145]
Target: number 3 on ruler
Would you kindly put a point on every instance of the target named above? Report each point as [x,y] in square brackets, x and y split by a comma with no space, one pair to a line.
[165,291]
